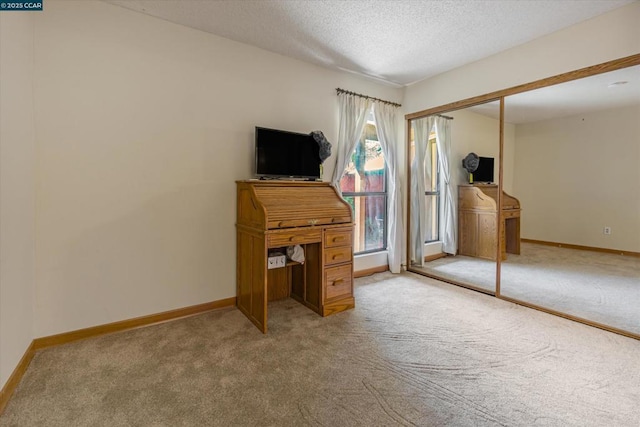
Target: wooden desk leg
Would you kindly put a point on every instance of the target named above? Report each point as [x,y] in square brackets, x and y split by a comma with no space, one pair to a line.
[512,228]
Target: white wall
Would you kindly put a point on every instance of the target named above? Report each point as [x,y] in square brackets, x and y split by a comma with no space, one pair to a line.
[481,134]
[142,128]
[508,159]
[576,175]
[17,189]
[472,132]
[606,37]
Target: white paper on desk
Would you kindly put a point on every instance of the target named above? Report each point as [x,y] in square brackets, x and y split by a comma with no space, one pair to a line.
[296,253]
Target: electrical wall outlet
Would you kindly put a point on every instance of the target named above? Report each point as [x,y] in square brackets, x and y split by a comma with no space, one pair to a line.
[607,230]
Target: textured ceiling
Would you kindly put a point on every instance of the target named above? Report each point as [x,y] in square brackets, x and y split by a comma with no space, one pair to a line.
[583,96]
[398,42]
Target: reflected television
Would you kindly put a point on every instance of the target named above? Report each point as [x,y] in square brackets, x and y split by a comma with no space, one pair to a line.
[484,173]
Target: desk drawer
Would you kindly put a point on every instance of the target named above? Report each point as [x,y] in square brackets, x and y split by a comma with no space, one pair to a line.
[337,255]
[338,282]
[306,222]
[511,214]
[338,237]
[297,237]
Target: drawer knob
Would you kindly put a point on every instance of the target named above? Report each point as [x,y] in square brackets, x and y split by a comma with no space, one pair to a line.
[336,256]
[335,282]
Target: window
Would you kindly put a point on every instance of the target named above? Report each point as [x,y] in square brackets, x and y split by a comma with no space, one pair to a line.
[432,190]
[364,186]
[431,187]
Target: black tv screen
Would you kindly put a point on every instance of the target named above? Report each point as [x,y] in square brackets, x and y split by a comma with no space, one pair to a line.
[484,173]
[282,153]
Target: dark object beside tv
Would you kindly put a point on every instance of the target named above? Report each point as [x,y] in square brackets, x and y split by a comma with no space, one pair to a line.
[484,173]
[284,154]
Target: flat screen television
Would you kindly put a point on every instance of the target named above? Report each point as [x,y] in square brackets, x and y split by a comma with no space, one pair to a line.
[484,173]
[284,154]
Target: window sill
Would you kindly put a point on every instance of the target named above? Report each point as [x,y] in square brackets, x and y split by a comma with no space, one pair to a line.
[432,248]
[370,260]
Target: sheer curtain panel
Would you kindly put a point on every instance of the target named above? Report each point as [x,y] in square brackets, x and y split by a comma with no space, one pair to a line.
[421,130]
[353,112]
[449,213]
[387,125]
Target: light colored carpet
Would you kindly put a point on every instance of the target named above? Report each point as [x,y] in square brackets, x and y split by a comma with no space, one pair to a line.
[414,352]
[476,272]
[600,287]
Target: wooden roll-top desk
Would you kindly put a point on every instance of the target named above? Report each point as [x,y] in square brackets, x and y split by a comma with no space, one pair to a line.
[277,214]
[478,222]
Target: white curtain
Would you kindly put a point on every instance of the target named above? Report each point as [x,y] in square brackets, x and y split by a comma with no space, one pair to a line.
[448,224]
[386,124]
[421,130]
[353,112]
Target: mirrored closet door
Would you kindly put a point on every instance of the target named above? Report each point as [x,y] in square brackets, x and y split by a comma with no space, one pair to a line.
[567,155]
[438,181]
[576,154]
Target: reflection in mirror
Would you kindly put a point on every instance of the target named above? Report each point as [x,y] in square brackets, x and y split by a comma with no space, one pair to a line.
[437,147]
[576,149]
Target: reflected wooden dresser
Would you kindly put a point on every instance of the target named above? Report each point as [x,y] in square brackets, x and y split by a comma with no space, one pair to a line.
[273,215]
[478,222]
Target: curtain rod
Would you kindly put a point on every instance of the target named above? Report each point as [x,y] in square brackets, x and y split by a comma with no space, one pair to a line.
[437,115]
[348,92]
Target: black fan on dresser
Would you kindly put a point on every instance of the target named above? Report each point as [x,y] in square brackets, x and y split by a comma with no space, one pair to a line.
[470,163]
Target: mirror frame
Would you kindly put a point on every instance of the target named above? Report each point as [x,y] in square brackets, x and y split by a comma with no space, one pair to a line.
[500,95]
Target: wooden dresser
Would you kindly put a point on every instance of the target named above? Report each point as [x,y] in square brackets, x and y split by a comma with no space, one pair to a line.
[478,222]
[273,215]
